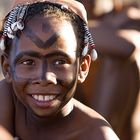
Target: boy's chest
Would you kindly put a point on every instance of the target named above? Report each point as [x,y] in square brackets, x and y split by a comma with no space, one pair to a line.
[68,129]
[26,130]
[67,133]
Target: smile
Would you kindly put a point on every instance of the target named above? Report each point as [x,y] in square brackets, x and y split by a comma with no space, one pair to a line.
[44,97]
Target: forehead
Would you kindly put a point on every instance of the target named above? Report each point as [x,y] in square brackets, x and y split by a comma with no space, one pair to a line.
[44,28]
[50,25]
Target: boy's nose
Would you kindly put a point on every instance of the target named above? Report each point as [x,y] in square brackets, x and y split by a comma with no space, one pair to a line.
[47,78]
[50,77]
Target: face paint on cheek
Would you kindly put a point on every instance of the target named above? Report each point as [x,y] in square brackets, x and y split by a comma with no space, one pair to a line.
[15,45]
[71,83]
[18,83]
[13,70]
[18,78]
[19,86]
[69,92]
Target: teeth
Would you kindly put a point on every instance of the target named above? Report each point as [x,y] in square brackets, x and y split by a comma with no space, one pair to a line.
[40,98]
[47,98]
[51,97]
[43,97]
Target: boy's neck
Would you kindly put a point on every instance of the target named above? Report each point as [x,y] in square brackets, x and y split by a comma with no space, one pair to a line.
[65,112]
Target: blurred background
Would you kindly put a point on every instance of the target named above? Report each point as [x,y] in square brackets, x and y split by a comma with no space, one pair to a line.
[113,85]
[4,6]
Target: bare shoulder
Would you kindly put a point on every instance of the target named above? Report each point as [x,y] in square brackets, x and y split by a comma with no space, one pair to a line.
[96,126]
[6,105]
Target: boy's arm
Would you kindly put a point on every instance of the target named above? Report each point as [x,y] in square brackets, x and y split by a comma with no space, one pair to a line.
[6,106]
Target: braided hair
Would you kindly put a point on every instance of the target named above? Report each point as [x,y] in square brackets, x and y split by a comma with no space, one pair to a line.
[21,14]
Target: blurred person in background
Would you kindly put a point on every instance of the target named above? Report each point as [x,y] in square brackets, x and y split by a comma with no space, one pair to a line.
[4,5]
[112,87]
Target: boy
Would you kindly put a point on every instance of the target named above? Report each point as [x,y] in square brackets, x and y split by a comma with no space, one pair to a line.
[46,51]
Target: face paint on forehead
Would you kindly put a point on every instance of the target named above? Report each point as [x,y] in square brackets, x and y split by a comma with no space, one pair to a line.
[37,40]
[46,27]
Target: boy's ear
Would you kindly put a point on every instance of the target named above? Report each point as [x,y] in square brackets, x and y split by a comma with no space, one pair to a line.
[6,68]
[84,68]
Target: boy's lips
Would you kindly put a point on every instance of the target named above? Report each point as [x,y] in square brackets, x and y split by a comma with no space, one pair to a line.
[44,97]
[44,101]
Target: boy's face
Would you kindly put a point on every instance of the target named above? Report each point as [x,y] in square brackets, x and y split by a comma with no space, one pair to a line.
[44,65]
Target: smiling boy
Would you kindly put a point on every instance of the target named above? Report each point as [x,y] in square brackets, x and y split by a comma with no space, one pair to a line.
[47,51]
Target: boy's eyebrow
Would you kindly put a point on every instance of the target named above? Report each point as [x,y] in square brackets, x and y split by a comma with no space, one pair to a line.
[38,55]
[27,53]
[38,41]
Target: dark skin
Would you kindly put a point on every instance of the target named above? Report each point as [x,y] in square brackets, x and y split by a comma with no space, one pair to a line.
[43,93]
[75,125]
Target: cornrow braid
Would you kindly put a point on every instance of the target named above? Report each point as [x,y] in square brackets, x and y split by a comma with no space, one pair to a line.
[13,22]
[7,25]
[90,48]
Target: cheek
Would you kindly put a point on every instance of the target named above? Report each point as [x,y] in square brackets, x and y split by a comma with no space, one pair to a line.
[19,86]
[69,77]
[70,87]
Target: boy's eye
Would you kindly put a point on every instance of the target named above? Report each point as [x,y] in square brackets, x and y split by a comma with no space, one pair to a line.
[60,62]
[28,62]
